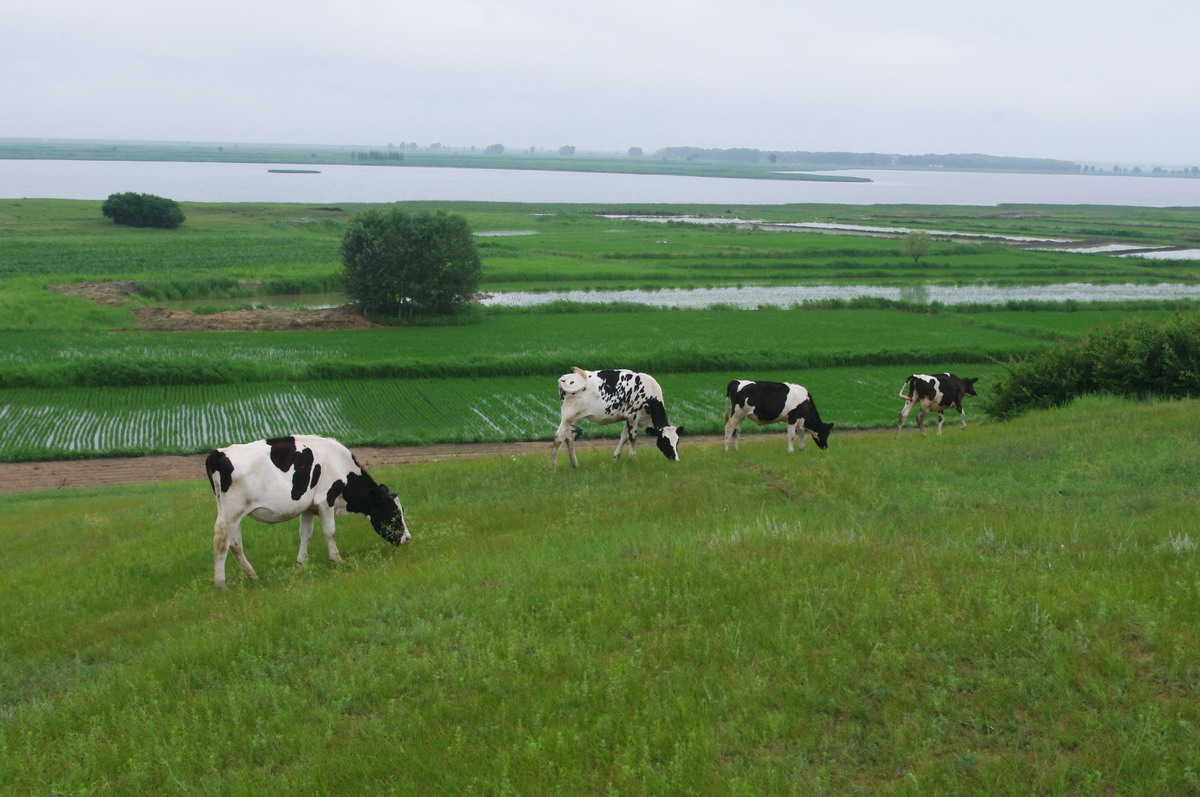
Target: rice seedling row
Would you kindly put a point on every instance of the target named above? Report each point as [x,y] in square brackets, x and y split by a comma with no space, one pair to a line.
[78,422]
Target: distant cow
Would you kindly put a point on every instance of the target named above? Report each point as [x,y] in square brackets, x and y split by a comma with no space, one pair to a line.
[278,479]
[934,393]
[774,402]
[610,396]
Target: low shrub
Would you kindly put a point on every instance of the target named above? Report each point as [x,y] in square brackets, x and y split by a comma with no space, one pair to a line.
[142,210]
[1138,359]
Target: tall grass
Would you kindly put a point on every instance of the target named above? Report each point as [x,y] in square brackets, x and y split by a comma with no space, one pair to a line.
[1012,621]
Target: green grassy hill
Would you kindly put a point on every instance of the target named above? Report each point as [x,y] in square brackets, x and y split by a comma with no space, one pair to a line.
[1007,609]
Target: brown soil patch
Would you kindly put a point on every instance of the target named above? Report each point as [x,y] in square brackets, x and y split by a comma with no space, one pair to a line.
[160,318]
[27,477]
[121,292]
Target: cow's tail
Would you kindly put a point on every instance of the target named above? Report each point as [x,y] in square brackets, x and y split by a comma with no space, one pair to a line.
[906,391]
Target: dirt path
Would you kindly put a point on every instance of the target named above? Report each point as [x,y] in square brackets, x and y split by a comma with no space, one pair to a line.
[26,477]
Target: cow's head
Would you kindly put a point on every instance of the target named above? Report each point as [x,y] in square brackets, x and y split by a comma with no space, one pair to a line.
[667,439]
[821,434]
[387,515]
[969,386]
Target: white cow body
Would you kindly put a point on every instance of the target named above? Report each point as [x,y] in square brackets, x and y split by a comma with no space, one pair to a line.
[611,396]
[299,476]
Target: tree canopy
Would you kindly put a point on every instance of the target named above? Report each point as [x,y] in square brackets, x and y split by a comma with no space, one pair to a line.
[399,263]
[142,210]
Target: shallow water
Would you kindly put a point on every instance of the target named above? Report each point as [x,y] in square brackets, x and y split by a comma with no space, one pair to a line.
[784,296]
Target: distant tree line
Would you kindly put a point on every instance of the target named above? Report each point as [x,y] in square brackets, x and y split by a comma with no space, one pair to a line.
[377,155]
[872,159]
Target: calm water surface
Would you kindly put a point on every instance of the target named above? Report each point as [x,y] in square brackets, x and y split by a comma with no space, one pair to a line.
[252,182]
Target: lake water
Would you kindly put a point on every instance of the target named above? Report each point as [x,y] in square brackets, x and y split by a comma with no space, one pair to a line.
[253,182]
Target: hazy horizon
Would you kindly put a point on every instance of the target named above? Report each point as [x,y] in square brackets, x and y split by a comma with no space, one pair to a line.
[1067,81]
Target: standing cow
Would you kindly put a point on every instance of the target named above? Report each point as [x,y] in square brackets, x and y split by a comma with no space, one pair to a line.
[934,393]
[774,402]
[610,396]
[277,479]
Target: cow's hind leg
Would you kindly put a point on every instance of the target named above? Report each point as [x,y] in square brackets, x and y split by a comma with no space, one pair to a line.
[306,530]
[228,537]
[921,421]
[908,405]
[565,434]
[733,429]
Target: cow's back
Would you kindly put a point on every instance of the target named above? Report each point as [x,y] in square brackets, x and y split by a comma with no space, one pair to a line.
[284,475]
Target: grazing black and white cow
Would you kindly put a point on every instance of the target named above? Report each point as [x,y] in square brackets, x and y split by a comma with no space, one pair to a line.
[935,393]
[610,396]
[277,479]
[774,402]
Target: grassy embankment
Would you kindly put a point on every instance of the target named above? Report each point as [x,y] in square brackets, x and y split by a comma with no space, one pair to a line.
[78,390]
[1020,619]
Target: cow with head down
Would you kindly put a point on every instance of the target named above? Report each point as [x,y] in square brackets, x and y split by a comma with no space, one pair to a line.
[284,477]
[611,396]
[935,394]
[774,402]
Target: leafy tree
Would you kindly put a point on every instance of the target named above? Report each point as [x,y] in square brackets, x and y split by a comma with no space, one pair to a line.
[142,210]
[400,263]
[494,149]
[916,244]
[566,150]
[635,152]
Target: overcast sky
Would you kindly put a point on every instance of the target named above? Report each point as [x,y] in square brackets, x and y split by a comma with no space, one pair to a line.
[1096,81]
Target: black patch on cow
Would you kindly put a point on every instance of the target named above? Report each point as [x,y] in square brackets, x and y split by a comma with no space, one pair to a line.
[609,379]
[953,388]
[767,398]
[658,413]
[316,475]
[335,490]
[283,449]
[303,462]
[218,462]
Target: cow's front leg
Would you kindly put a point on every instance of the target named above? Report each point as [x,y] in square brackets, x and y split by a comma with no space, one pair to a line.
[329,527]
[908,405]
[628,435]
[941,420]
[962,417]
[921,421]
[791,437]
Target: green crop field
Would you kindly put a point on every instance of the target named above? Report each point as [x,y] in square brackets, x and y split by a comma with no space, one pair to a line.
[1007,610]
[79,378]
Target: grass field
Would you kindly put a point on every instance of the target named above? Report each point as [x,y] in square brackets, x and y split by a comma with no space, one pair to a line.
[1007,610]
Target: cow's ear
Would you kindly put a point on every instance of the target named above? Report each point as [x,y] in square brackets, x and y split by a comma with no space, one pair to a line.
[973,380]
[653,431]
[678,430]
